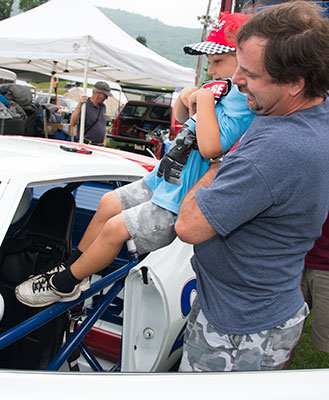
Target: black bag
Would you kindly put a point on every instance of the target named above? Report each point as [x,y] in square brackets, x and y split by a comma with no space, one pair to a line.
[44,241]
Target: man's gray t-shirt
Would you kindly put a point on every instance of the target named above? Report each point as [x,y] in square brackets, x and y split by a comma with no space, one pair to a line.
[268,202]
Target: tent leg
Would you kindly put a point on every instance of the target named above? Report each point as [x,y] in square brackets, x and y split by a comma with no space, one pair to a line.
[45,127]
[83,108]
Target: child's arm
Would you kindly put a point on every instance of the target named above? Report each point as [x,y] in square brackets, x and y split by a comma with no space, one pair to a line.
[181,107]
[207,129]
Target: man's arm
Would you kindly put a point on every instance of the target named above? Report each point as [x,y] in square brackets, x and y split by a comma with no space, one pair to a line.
[191,225]
[76,114]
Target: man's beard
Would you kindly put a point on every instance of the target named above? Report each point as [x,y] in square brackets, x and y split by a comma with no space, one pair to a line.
[252,105]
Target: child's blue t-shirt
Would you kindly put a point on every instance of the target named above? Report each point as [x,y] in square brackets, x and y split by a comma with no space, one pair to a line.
[234,118]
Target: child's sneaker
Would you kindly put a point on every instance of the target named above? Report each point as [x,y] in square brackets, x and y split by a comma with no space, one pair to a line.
[38,291]
[55,270]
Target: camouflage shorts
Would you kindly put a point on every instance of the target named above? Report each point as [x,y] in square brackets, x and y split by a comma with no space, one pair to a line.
[207,349]
[151,226]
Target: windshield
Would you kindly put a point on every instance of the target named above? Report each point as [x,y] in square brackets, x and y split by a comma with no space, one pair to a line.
[71,102]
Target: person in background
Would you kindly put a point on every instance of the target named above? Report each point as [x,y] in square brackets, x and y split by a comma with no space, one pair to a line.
[95,122]
[253,217]
[315,287]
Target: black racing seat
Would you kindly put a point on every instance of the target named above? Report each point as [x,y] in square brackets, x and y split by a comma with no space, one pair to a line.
[45,240]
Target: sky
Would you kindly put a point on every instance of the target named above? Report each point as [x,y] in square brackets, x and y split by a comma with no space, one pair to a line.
[171,12]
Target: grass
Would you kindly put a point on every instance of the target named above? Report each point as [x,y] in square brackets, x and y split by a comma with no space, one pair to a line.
[306,355]
[44,86]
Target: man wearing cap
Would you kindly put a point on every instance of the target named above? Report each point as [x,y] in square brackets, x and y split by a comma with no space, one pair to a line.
[95,121]
[253,218]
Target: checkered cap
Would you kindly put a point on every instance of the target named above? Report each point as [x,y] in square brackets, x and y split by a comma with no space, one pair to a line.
[207,48]
[221,37]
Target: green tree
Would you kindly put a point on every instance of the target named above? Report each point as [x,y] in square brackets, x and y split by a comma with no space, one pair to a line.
[26,5]
[5,8]
[142,40]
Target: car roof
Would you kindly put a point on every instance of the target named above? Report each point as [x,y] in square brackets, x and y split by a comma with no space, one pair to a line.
[22,156]
[31,162]
[45,95]
[146,103]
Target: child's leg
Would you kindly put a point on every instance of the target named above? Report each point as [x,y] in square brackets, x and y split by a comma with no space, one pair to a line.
[109,206]
[150,226]
[68,283]
[103,249]
[98,255]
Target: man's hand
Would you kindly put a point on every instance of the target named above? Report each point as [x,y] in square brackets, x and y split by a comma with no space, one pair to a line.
[76,114]
[83,99]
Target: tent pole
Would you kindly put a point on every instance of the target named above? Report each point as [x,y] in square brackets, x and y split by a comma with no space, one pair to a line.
[83,107]
[50,90]
[53,73]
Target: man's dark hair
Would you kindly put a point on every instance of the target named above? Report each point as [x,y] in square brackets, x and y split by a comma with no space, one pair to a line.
[297,44]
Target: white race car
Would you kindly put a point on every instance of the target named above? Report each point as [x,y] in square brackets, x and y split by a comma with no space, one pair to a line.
[145,321]
[131,322]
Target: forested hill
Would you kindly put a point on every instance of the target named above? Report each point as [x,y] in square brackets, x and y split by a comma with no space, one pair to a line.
[166,40]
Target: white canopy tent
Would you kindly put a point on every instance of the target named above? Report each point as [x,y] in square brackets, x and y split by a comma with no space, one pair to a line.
[73,37]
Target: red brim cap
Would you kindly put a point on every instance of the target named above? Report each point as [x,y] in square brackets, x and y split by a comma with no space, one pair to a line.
[221,37]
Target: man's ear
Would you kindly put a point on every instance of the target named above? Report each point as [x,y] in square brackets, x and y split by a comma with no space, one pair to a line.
[295,88]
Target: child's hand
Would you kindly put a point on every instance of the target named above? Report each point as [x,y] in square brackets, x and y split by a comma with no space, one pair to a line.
[198,96]
[181,107]
[185,95]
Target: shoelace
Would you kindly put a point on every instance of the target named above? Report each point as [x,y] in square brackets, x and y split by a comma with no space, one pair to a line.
[42,284]
[58,268]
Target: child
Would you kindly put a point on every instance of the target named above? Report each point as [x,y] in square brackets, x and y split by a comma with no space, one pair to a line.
[146,210]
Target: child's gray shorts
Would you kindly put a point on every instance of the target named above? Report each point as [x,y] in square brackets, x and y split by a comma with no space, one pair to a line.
[149,225]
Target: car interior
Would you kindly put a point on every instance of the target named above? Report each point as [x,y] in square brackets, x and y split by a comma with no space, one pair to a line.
[49,223]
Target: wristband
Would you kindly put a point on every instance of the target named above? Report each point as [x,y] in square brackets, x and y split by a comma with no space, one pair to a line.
[215,160]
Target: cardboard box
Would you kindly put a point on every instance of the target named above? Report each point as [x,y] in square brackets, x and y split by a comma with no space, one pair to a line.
[52,128]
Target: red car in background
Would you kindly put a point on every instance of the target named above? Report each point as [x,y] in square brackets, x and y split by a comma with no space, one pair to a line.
[142,126]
